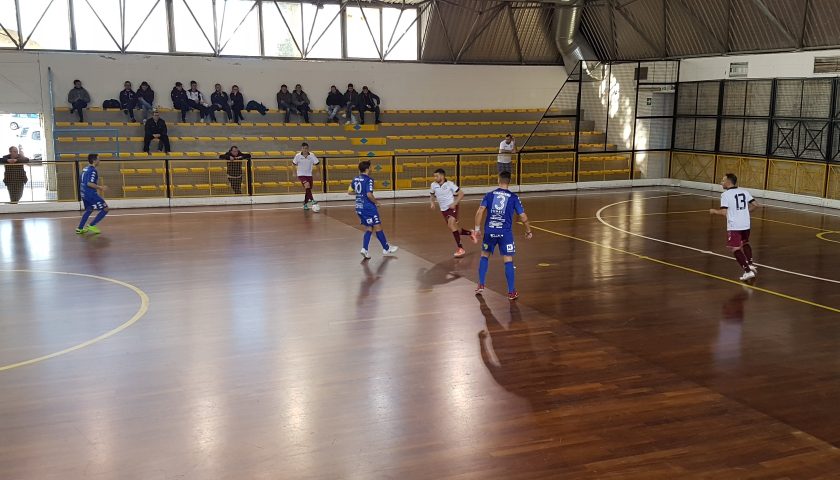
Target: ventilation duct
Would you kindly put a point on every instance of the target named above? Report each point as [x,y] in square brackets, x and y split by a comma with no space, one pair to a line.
[570,42]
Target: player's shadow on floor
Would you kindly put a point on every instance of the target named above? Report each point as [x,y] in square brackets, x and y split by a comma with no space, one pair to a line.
[371,277]
[520,357]
[440,274]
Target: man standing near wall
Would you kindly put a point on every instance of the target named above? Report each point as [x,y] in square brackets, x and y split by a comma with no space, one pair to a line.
[14,175]
[506,150]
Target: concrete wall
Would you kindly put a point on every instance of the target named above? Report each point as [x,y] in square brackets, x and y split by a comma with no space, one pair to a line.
[768,65]
[401,85]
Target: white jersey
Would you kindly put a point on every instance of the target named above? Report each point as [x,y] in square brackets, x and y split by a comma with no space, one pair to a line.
[445,194]
[508,148]
[305,164]
[736,201]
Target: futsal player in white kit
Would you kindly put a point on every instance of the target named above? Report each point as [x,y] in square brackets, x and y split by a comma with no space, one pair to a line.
[736,205]
[448,197]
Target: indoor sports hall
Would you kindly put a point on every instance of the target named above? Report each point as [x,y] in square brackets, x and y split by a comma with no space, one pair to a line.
[183,295]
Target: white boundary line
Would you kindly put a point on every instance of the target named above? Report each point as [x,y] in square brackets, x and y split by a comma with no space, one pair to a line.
[600,218]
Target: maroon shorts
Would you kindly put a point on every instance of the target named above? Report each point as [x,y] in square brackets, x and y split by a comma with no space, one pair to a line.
[737,238]
[305,180]
[451,212]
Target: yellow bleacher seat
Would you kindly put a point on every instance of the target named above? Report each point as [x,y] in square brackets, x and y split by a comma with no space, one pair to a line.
[263,168]
[270,184]
[215,169]
[287,184]
[202,186]
[130,188]
[180,170]
[220,185]
[145,171]
[197,170]
[184,187]
[127,171]
[152,188]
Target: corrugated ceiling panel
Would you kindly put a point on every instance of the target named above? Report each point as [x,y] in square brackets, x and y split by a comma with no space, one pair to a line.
[821,28]
[752,30]
[696,28]
[595,26]
[435,45]
[496,43]
[648,17]
[791,14]
[631,44]
[533,26]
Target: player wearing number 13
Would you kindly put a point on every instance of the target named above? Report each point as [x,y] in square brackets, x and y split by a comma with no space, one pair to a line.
[501,204]
[736,205]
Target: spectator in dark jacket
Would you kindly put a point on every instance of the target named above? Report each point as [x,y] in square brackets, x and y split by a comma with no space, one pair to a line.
[198,101]
[234,167]
[78,98]
[284,102]
[146,99]
[219,101]
[335,100]
[237,103]
[368,101]
[351,101]
[180,101]
[128,100]
[156,128]
[301,102]
[14,175]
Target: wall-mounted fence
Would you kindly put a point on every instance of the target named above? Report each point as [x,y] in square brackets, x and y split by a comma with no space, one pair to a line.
[212,177]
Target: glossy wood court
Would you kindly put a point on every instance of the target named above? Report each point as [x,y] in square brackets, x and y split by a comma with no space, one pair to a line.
[250,343]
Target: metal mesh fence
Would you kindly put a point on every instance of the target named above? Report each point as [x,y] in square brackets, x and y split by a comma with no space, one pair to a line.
[687,99]
[279,176]
[734,97]
[758,98]
[342,171]
[208,178]
[601,167]
[482,170]
[554,167]
[653,133]
[416,173]
[651,165]
[708,96]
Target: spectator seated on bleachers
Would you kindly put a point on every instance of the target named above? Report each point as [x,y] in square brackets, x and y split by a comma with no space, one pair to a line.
[285,102]
[197,101]
[368,101]
[156,129]
[219,101]
[351,101]
[301,102]
[14,175]
[237,103]
[234,167]
[78,98]
[180,100]
[335,100]
[146,99]
[128,100]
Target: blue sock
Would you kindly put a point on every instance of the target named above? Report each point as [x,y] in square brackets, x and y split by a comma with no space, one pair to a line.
[380,235]
[366,239]
[85,217]
[483,265]
[99,217]
[509,275]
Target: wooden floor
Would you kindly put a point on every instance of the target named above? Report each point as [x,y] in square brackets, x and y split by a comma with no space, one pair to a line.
[269,350]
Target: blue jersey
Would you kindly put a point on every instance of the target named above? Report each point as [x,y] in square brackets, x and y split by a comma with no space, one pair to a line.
[501,204]
[89,175]
[363,185]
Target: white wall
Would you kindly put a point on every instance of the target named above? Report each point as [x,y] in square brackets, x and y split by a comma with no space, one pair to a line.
[767,65]
[400,85]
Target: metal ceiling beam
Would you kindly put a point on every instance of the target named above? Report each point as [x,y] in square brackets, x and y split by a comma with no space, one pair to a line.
[801,43]
[762,7]
[705,29]
[468,43]
[517,43]
[445,31]
[628,17]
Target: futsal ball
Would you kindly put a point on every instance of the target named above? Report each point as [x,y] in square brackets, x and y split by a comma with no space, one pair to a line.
[316,208]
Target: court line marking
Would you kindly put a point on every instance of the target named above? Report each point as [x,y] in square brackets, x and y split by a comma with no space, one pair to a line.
[821,236]
[797,210]
[325,207]
[144,307]
[616,216]
[687,247]
[691,270]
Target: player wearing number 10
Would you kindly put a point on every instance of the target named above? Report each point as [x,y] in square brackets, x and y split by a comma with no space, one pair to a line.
[501,204]
[736,205]
[366,208]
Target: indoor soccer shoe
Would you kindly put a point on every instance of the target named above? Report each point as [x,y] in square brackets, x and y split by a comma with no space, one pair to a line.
[513,295]
[747,276]
[365,254]
[753,268]
[81,231]
[459,253]
[474,236]
[94,230]
[391,250]
[479,290]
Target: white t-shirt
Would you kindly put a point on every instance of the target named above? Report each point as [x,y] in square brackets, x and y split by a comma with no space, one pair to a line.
[506,147]
[445,194]
[305,164]
[736,201]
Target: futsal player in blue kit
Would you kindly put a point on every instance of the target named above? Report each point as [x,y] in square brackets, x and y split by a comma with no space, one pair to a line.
[362,188]
[91,196]
[501,204]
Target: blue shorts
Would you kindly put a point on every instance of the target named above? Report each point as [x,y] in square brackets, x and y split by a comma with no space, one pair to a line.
[503,240]
[95,202]
[369,218]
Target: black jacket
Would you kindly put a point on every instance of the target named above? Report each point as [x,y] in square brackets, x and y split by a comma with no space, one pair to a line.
[153,128]
[351,97]
[148,95]
[219,98]
[234,166]
[126,96]
[179,97]
[14,171]
[335,99]
[369,99]
[284,97]
[238,100]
